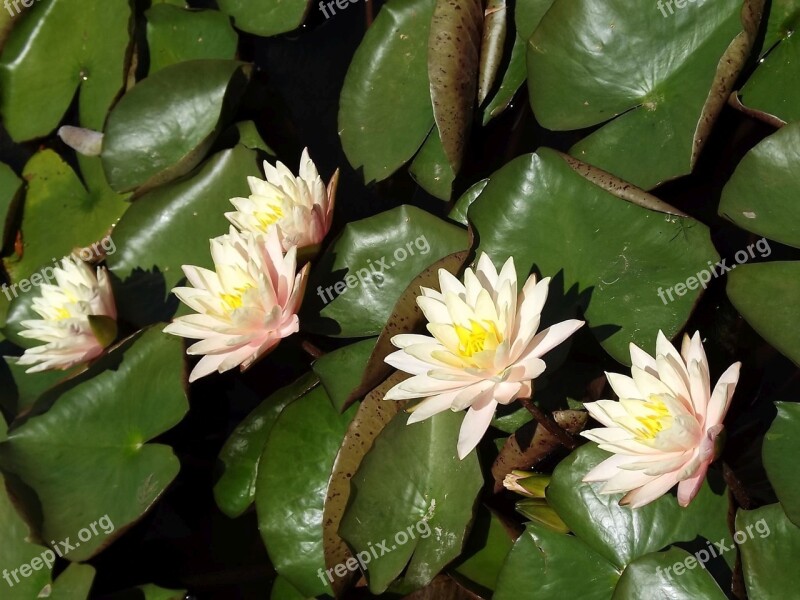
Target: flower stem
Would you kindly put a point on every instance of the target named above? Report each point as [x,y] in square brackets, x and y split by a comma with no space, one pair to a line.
[736,487]
[549,424]
[311,349]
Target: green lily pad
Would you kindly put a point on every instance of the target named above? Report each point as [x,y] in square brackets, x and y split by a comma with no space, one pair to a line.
[41,68]
[289,501]
[420,508]
[341,370]
[170,227]
[769,551]
[385,111]
[766,296]
[354,286]
[74,583]
[773,89]
[651,572]
[780,452]
[372,416]
[557,566]
[266,17]
[461,207]
[10,186]
[527,16]
[249,137]
[761,196]
[658,78]
[16,550]
[24,389]
[430,168]
[164,126]
[621,534]
[87,458]
[175,35]
[235,490]
[84,217]
[535,209]
[486,550]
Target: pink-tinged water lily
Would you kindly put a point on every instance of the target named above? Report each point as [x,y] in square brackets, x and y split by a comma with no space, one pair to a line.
[245,307]
[300,208]
[78,318]
[485,348]
[664,428]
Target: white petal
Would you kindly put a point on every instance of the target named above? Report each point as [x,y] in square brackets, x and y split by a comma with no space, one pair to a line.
[434,310]
[642,360]
[549,338]
[406,340]
[688,488]
[507,392]
[607,412]
[648,384]
[473,394]
[473,428]
[651,491]
[430,406]
[625,481]
[608,468]
[623,386]
[675,377]
[722,395]
[700,386]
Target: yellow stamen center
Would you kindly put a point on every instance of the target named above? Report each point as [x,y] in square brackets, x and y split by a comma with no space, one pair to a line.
[272,213]
[477,337]
[655,422]
[62,313]
[234,301]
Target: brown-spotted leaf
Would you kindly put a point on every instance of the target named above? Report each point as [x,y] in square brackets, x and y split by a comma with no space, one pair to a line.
[406,318]
[532,443]
[620,188]
[494,39]
[728,70]
[453,62]
[373,415]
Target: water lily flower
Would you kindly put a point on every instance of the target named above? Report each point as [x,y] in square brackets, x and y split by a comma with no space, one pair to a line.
[300,208]
[78,318]
[245,307]
[664,428]
[485,348]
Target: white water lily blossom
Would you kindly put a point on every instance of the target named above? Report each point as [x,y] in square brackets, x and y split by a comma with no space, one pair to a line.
[485,348]
[664,428]
[300,208]
[245,307]
[78,318]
